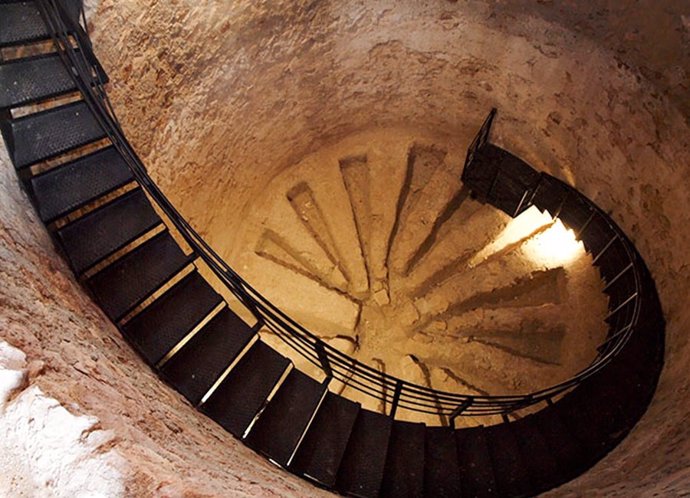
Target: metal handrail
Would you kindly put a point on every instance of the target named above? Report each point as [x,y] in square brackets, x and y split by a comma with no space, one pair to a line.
[334,363]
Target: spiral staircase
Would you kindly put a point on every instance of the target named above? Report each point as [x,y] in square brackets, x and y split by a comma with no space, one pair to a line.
[146,268]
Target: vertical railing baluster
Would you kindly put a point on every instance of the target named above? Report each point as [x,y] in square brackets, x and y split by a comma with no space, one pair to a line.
[606,247]
[396,398]
[582,229]
[459,409]
[323,358]
[560,206]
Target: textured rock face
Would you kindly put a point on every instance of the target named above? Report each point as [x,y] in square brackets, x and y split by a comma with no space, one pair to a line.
[219,97]
[79,411]
[47,450]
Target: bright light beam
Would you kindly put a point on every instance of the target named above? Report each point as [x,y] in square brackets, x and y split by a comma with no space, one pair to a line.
[555,246]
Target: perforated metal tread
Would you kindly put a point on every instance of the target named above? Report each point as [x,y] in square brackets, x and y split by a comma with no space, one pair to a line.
[20,22]
[72,185]
[131,279]
[163,324]
[476,468]
[565,449]
[243,392]
[512,475]
[540,461]
[194,369]
[282,424]
[608,405]
[46,134]
[404,471]
[29,80]
[322,450]
[361,471]
[101,232]
[441,472]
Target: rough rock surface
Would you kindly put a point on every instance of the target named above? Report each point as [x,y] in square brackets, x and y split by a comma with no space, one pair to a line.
[219,97]
[47,450]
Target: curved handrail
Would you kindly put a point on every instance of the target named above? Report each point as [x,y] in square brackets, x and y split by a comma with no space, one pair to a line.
[334,363]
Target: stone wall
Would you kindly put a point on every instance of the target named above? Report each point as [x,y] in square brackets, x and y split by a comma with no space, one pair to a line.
[219,97]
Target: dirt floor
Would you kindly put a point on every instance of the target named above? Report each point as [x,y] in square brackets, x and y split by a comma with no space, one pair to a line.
[374,244]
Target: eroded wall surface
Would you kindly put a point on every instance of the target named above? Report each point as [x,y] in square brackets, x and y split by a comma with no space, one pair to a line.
[220,97]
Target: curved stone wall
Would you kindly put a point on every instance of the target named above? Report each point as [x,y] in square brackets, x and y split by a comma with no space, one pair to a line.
[220,97]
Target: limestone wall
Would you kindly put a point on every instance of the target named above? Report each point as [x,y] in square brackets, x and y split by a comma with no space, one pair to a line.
[220,97]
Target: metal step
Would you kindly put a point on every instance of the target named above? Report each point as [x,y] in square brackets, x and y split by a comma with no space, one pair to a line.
[549,195]
[46,134]
[612,260]
[509,463]
[569,454]
[597,234]
[200,362]
[361,471]
[543,468]
[404,471]
[134,277]
[21,22]
[163,324]
[243,392]
[103,231]
[575,212]
[476,468]
[29,80]
[501,178]
[324,445]
[441,467]
[282,424]
[74,184]
[607,405]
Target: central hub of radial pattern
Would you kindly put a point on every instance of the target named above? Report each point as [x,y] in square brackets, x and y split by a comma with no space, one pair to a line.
[374,245]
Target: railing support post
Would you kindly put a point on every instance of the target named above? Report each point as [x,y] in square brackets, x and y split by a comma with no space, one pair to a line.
[459,409]
[323,358]
[396,398]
